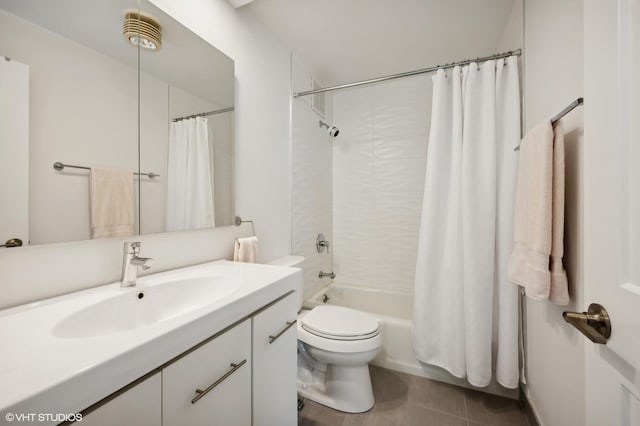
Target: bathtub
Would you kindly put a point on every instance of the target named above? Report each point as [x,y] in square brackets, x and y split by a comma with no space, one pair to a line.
[394,311]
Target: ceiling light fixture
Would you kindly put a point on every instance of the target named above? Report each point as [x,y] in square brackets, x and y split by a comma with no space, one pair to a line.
[142,30]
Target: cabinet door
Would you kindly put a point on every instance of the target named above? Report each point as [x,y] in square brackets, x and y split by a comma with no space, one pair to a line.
[274,364]
[212,384]
[140,406]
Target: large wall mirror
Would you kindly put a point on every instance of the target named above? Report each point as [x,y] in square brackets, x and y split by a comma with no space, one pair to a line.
[81,87]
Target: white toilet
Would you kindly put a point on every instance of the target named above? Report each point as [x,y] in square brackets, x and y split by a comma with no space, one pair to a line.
[335,346]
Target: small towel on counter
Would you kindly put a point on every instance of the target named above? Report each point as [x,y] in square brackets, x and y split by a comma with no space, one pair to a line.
[246,250]
[536,260]
[111,201]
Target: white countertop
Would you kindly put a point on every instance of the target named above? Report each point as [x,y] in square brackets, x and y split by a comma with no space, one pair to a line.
[42,373]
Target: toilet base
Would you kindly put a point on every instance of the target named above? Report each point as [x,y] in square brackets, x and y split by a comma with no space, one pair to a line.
[346,389]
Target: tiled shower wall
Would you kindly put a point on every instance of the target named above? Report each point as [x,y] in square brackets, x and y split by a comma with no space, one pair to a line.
[311,185]
[379,163]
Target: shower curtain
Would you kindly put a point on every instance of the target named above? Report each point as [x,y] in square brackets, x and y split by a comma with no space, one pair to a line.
[189,170]
[465,312]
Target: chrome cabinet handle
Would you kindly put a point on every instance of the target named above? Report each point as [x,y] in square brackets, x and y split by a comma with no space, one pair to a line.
[274,337]
[201,393]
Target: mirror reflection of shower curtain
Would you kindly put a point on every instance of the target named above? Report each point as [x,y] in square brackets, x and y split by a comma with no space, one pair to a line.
[189,181]
[465,310]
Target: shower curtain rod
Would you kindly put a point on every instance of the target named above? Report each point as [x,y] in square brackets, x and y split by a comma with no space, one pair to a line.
[204,114]
[409,73]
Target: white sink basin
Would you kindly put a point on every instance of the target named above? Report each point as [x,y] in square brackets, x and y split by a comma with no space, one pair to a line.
[144,305]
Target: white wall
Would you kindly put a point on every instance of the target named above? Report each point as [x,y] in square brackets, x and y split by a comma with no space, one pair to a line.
[513,34]
[311,168]
[379,162]
[262,173]
[554,78]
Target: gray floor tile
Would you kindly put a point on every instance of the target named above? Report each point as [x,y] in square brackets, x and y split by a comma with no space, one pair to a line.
[314,414]
[494,410]
[419,415]
[403,399]
[389,385]
[438,396]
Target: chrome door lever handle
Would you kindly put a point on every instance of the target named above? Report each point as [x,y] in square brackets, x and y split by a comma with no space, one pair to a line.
[594,324]
[13,242]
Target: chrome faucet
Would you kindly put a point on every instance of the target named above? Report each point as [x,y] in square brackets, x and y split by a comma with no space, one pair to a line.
[130,262]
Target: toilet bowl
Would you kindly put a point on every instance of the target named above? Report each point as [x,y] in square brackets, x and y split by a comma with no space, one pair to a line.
[335,346]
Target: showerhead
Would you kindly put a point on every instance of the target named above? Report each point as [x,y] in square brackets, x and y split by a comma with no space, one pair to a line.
[332,130]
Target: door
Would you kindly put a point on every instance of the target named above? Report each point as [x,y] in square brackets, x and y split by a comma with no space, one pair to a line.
[612,206]
[14,150]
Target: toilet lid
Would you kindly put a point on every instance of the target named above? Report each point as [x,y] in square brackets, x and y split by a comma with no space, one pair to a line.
[339,323]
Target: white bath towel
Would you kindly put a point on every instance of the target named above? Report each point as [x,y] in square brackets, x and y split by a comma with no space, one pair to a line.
[536,260]
[111,200]
[246,250]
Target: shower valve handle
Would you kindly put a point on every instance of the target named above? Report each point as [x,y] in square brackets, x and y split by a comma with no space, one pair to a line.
[322,243]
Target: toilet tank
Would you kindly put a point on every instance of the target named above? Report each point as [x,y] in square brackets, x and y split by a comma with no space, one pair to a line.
[291,261]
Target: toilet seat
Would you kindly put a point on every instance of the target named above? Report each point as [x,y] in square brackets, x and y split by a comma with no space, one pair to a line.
[340,323]
[324,330]
[345,338]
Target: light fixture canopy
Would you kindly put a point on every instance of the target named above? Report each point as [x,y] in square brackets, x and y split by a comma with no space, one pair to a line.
[142,30]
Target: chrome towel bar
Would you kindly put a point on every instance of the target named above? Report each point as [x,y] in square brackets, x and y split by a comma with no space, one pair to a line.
[60,166]
[239,222]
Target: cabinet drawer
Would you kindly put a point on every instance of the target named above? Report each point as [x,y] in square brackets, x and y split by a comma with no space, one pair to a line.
[140,405]
[274,364]
[224,390]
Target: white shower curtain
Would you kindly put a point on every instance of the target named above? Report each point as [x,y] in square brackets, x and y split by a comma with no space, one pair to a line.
[189,170]
[465,311]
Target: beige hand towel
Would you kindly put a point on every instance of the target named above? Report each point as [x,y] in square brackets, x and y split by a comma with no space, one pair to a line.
[536,260]
[246,250]
[111,199]
[559,288]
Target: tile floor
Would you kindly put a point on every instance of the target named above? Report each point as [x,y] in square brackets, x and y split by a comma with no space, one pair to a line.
[403,399]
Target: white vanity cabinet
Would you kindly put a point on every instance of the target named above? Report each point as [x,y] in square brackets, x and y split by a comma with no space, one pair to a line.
[274,364]
[245,375]
[180,351]
[135,405]
[211,384]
